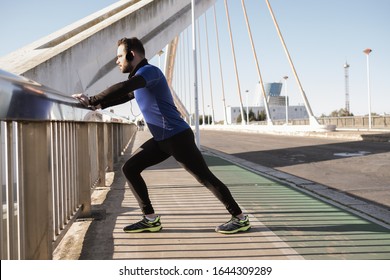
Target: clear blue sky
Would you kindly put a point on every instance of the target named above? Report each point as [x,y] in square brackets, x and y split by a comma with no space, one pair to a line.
[320,35]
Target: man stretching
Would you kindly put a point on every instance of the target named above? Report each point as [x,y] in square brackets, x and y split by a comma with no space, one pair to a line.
[172,136]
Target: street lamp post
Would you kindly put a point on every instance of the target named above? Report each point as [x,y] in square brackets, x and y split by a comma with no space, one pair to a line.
[160,53]
[208,114]
[247,107]
[367,52]
[285,90]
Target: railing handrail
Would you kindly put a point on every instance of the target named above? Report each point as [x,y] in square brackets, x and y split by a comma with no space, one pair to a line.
[24,99]
[53,154]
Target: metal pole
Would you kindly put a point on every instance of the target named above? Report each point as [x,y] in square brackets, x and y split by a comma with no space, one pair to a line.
[201,74]
[183,73]
[208,115]
[367,52]
[181,48]
[197,138]
[220,67]
[208,62]
[189,75]
[285,90]
[160,53]
[235,64]
[307,105]
[269,120]
[247,107]
[346,76]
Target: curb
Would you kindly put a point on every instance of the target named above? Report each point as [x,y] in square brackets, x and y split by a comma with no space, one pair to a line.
[368,210]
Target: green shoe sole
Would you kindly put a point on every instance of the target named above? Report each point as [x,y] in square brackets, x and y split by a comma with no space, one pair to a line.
[151,229]
[246,228]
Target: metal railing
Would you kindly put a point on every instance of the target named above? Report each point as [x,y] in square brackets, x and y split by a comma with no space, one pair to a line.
[357,122]
[379,122]
[53,154]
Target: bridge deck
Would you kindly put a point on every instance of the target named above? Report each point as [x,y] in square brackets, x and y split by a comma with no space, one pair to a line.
[287,223]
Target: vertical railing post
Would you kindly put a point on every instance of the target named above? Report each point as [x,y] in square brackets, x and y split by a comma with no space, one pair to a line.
[100,154]
[84,168]
[110,147]
[36,185]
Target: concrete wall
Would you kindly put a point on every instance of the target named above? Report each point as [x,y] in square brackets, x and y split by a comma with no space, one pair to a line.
[81,57]
[276,112]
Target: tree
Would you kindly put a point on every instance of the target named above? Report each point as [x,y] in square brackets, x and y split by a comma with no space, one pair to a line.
[252,116]
[207,119]
[340,113]
[261,116]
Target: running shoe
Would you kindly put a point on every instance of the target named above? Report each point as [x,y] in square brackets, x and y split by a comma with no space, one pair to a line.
[144,225]
[234,225]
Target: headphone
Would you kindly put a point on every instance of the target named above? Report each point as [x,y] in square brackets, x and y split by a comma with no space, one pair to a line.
[132,44]
[129,55]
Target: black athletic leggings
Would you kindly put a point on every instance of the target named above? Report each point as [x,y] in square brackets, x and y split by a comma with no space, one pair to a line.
[183,148]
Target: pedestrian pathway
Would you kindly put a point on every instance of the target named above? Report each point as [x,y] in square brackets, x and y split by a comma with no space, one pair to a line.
[286,223]
[311,227]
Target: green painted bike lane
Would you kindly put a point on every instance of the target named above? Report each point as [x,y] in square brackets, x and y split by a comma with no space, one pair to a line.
[313,228]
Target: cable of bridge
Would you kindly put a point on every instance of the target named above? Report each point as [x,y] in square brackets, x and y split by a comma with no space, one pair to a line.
[313,120]
[235,63]
[220,67]
[269,120]
[213,89]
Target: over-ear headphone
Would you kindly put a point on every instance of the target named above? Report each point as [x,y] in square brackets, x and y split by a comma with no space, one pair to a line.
[129,55]
[132,44]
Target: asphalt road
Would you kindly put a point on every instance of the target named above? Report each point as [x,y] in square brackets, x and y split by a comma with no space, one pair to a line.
[359,168]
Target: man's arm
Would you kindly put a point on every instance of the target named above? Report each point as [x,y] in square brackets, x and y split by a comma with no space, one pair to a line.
[118,93]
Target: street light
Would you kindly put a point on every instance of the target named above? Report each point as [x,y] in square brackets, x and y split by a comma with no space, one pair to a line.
[367,52]
[160,53]
[247,107]
[208,114]
[285,90]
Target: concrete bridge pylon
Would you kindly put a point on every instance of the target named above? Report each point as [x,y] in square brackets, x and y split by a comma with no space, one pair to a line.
[81,56]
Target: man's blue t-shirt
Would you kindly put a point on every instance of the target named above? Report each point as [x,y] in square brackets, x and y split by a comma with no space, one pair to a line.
[156,104]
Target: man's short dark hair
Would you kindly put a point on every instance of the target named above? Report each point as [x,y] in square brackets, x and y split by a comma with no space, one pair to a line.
[132,44]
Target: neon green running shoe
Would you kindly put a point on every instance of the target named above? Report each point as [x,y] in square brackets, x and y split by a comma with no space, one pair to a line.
[144,225]
[234,225]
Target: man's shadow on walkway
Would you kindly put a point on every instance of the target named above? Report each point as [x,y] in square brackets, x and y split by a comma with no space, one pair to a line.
[99,239]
